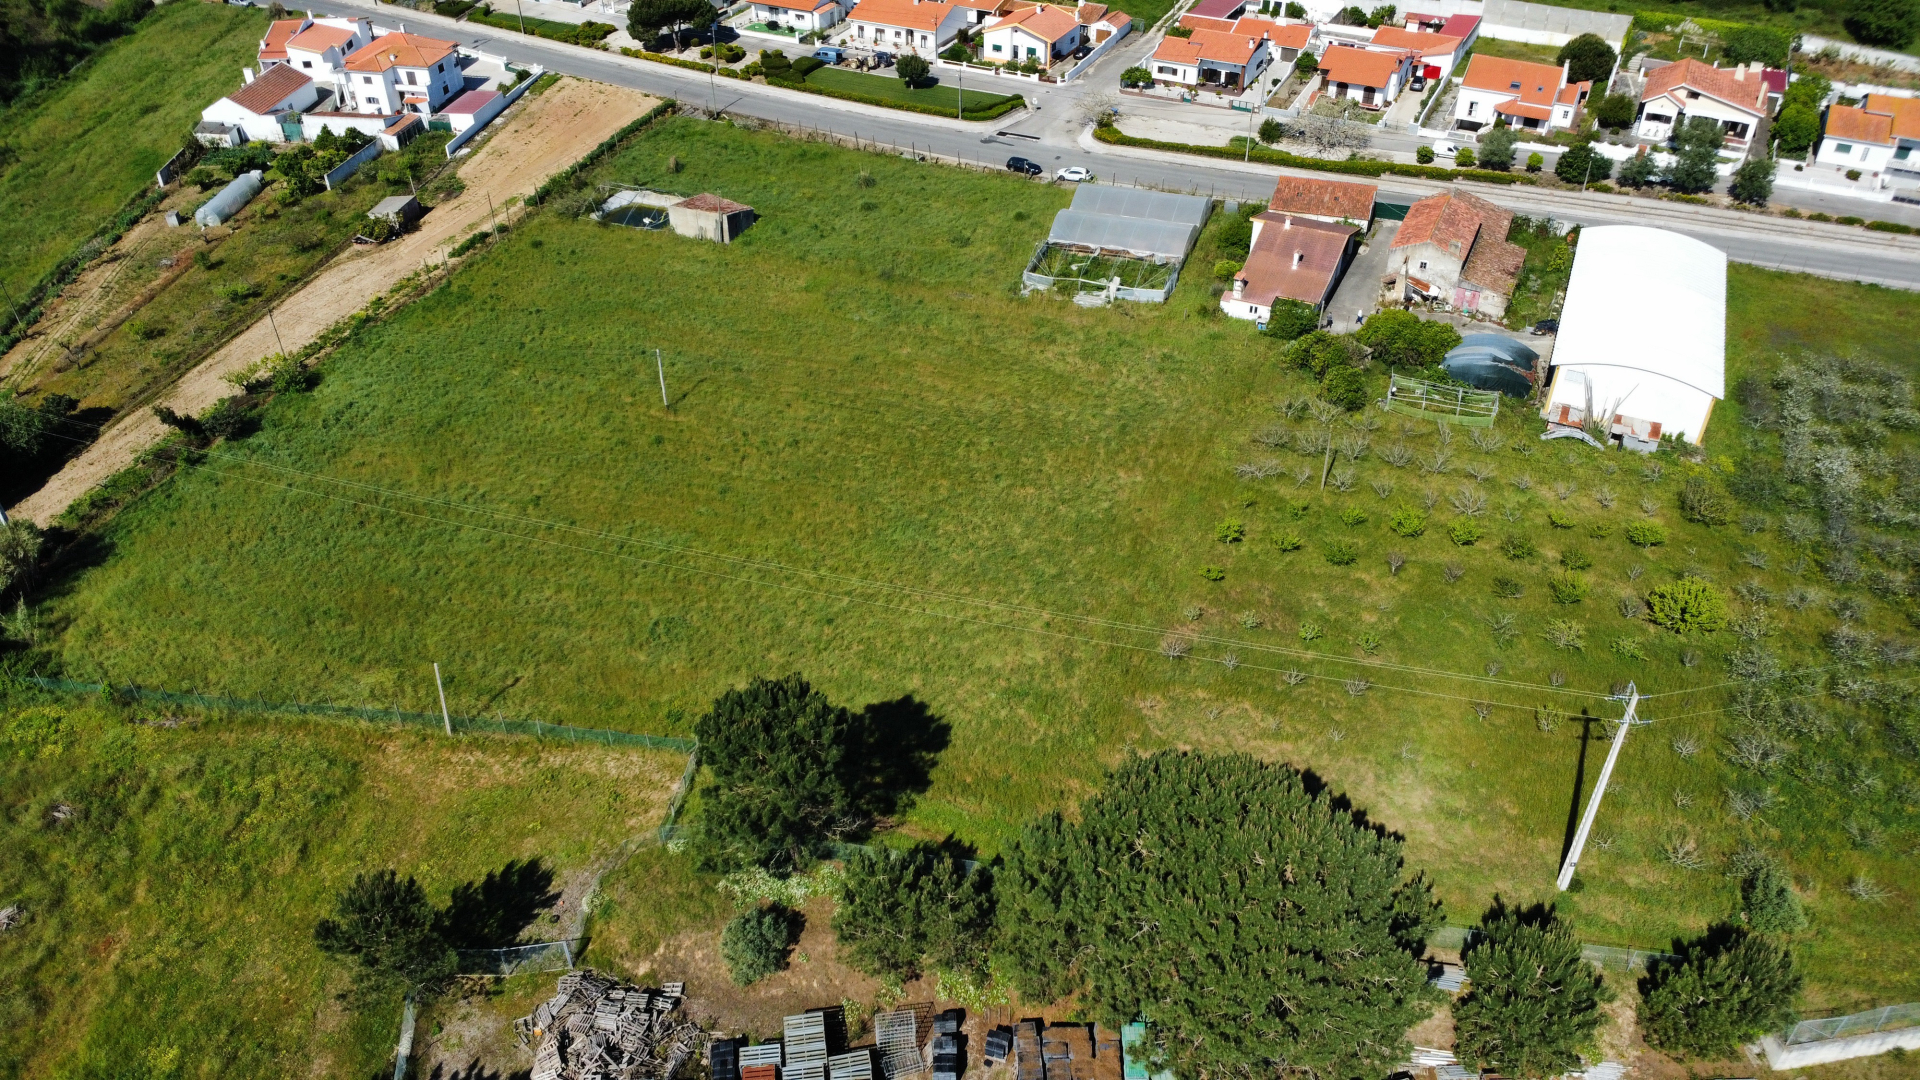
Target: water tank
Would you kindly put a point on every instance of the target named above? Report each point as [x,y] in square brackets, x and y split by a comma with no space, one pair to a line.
[231,198]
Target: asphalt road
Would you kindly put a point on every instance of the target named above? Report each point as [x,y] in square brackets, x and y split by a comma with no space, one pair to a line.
[1054,133]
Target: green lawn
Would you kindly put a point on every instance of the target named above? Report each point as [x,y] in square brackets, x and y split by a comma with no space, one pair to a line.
[884,468]
[939,93]
[97,139]
[170,916]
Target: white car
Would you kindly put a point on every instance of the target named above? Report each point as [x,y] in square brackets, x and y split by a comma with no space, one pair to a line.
[1074,174]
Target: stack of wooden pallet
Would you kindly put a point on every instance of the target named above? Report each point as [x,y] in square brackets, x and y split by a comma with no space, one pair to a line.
[597,1028]
[806,1043]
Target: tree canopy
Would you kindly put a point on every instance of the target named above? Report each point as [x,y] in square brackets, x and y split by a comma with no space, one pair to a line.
[1259,922]
[1403,339]
[1580,165]
[1697,155]
[1591,59]
[1496,148]
[1768,901]
[1290,319]
[1532,1001]
[1887,23]
[903,911]
[385,922]
[1726,987]
[913,70]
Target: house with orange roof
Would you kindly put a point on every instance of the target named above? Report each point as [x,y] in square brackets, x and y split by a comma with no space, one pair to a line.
[1531,97]
[1438,52]
[1211,58]
[1453,247]
[1286,40]
[1042,33]
[320,50]
[1291,258]
[1372,77]
[921,27]
[266,108]
[400,72]
[1735,98]
[800,15]
[1879,136]
[1099,23]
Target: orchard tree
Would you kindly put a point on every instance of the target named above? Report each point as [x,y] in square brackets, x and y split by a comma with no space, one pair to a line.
[384,922]
[1403,339]
[1590,57]
[903,911]
[1266,926]
[1532,1001]
[1725,988]
[1345,386]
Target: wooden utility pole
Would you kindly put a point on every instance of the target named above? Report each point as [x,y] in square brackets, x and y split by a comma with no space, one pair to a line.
[661,367]
[1632,698]
[438,685]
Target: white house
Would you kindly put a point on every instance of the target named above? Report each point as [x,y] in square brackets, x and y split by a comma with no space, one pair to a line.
[1437,52]
[1290,259]
[1532,97]
[801,15]
[1643,336]
[1098,23]
[1211,58]
[1735,98]
[401,72]
[1285,40]
[1373,77]
[922,27]
[1880,135]
[261,110]
[1042,33]
[321,49]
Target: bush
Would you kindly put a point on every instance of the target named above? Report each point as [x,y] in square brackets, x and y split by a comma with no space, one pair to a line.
[1496,148]
[1535,162]
[1214,573]
[755,943]
[902,911]
[1580,165]
[1568,587]
[1289,541]
[1136,77]
[1704,504]
[1628,648]
[1560,519]
[1408,522]
[1272,131]
[1724,989]
[1766,44]
[1290,319]
[1888,24]
[1353,516]
[1589,57]
[1687,605]
[1753,182]
[229,418]
[1645,534]
[1518,546]
[1463,157]
[1575,559]
[1614,110]
[386,924]
[1532,1001]
[807,65]
[1464,532]
[1403,339]
[1346,387]
[1424,155]
[1340,552]
[1768,902]
[1225,269]
[1319,352]
[1230,531]
[913,70]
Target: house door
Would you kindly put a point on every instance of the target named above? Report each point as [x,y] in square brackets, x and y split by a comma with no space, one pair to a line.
[1366,96]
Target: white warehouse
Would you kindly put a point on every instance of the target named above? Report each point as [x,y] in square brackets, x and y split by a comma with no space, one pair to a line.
[1643,336]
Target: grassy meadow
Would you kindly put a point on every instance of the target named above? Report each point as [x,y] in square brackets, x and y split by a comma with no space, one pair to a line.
[937,93]
[74,154]
[884,468]
[171,876]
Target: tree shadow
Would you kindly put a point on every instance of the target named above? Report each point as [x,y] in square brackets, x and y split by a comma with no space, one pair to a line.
[899,743]
[475,1071]
[492,913]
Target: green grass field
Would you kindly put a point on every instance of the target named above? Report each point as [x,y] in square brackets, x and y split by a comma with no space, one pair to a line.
[885,469]
[940,94]
[170,913]
[86,147]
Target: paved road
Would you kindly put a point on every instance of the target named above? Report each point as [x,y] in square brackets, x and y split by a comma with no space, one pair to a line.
[1054,133]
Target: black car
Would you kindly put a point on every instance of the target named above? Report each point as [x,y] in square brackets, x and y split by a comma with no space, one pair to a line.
[1022,165]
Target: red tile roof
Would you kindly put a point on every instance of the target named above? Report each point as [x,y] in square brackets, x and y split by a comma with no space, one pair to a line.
[1460,26]
[1090,13]
[1220,48]
[1219,9]
[1533,84]
[1856,124]
[1516,107]
[1294,259]
[1905,113]
[1741,89]
[715,203]
[1048,22]
[398,50]
[320,38]
[1325,198]
[274,45]
[273,86]
[470,102]
[1494,264]
[1424,44]
[1454,217]
[906,14]
[1360,67]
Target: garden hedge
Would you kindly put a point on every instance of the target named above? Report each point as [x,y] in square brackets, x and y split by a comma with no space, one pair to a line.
[693,65]
[991,112]
[1281,157]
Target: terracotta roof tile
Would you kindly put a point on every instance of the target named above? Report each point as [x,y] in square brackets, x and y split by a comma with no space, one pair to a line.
[272,87]
[320,38]
[1048,22]
[1859,125]
[1533,84]
[398,50]
[1424,44]
[1905,113]
[906,14]
[1453,218]
[1361,67]
[1271,272]
[1325,198]
[274,45]
[1494,264]
[1089,14]
[1724,84]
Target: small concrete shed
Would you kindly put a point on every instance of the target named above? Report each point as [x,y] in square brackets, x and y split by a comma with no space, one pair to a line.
[402,210]
[710,217]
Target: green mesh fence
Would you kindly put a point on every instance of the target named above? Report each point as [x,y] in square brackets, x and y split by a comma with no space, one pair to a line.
[483,724]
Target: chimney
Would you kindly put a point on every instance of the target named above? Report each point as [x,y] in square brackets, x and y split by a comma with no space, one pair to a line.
[1239,286]
[1288,224]
[403,28]
[1739,73]
[246,75]
[1297,256]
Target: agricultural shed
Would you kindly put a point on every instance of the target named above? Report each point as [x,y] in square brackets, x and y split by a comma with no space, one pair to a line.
[1493,362]
[231,198]
[1140,203]
[710,217]
[399,209]
[1643,335]
[1140,238]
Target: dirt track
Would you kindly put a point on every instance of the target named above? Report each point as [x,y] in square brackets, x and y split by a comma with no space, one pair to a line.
[541,135]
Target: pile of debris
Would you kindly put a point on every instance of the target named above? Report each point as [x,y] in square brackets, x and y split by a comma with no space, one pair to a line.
[598,1028]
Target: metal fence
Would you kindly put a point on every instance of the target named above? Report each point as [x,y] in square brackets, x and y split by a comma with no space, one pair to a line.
[1432,401]
[1861,1023]
[1459,937]
[520,959]
[492,725]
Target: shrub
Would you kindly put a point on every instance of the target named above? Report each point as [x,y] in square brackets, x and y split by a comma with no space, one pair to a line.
[1290,319]
[1568,587]
[1272,131]
[1424,155]
[1225,269]
[1567,634]
[1704,504]
[1136,77]
[1532,1001]
[1230,531]
[385,922]
[1340,552]
[1407,521]
[1559,519]
[1508,588]
[1687,605]
[1352,516]
[240,291]
[1629,648]
[1646,534]
[1518,546]
[775,64]
[1403,339]
[755,943]
[1600,530]
[1463,157]
[1724,988]
[1849,219]
[1464,532]
[1214,573]
[1748,43]
[903,911]
[1768,902]
[1575,559]
[807,65]
[1535,162]
[1319,352]
[1346,387]
[1289,541]
[229,418]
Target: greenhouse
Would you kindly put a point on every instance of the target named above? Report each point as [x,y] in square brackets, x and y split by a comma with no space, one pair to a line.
[1118,244]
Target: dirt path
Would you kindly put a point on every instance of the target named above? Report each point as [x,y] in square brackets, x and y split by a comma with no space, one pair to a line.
[541,136]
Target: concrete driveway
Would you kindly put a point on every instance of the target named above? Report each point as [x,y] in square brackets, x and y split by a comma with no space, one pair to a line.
[1359,291]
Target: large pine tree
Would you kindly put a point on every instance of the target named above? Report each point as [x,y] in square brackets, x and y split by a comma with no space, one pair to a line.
[1726,987]
[903,911]
[1261,925]
[1531,1002]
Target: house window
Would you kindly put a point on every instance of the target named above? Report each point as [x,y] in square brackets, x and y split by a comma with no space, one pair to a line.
[373,101]
[1164,70]
[1473,107]
[1423,264]
[1901,154]
[368,79]
[306,63]
[1656,118]
[1843,148]
[1032,52]
[410,81]
[1513,86]
[996,48]
[441,68]
[1693,95]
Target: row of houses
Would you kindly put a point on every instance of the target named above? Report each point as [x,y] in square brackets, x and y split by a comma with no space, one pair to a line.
[347,74]
[1009,31]
[1881,136]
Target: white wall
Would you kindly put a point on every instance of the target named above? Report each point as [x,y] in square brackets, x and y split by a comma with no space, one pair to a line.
[1780,1057]
[1866,157]
[1679,409]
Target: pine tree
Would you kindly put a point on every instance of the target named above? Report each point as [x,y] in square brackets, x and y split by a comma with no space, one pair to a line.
[755,943]
[1264,926]
[1771,905]
[1532,1001]
[1725,988]
[901,912]
[385,922]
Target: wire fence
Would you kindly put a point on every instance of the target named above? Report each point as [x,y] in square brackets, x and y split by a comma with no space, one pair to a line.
[1885,1018]
[1620,959]
[520,959]
[396,715]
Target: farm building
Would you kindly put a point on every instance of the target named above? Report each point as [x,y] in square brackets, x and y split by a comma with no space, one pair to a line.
[1290,259]
[1123,242]
[399,209]
[1332,201]
[1643,336]
[710,217]
[1453,248]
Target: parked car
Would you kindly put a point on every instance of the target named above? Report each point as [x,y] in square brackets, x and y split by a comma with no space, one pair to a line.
[1073,174]
[831,54]
[883,59]
[1022,165]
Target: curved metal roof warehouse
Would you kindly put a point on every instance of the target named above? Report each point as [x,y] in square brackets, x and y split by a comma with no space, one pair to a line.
[1643,334]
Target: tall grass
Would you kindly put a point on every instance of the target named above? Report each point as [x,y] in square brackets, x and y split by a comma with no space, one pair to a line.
[859,393]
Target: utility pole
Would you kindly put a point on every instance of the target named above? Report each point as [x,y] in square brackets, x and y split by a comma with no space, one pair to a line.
[1627,720]
[495,218]
[10,304]
[438,685]
[661,367]
[523,15]
[713,80]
